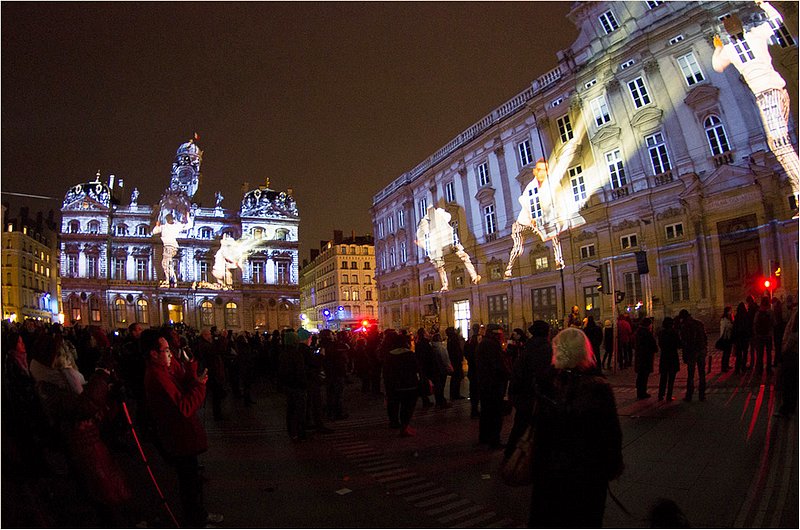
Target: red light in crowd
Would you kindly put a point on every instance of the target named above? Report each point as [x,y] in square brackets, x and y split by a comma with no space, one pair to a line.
[766,284]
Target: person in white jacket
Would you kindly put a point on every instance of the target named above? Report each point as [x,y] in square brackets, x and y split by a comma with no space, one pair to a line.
[746,47]
[169,238]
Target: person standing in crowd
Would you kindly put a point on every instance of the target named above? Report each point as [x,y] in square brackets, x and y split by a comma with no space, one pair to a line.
[529,373]
[763,330]
[470,351]
[595,335]
[646,349]
[574,320]
[725,336]
[624,341]
[668,362]
[455,351]
[740,338]
[292,378]
[608,345]
[578,444]
[515,344]
[787,377]
[493,373]
[780,327]
[246,359]
[694,343]
[400,379]
[335,358]
[174,393]
[443,369]
[752,309]
[426,359]
[315,379]
[375,360]
[211,357]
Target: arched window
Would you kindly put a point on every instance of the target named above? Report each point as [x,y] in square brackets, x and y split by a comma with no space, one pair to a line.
[120,311]
[715,132]
[206,313]
[206,233]
[94,227]
[94,310]
[258,233]
[142,230]
[231,315]
[74,227]
[142,314]
[75,308]
[122,229]
[259,315]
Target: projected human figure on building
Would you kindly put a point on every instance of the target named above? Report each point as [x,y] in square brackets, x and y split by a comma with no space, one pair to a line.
[169,238]
[745,45]
[540,212]
[232,255]
[436,236]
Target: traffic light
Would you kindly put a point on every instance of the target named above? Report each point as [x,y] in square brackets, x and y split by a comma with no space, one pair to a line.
[775,274]
[603,284]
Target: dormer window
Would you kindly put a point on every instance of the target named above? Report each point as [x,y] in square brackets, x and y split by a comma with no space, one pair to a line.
[609,22]
[122,230]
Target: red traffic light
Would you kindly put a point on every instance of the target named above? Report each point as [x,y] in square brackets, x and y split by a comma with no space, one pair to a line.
[767,283]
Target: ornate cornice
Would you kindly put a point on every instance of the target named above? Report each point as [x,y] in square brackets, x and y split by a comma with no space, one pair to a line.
[647,119]
[585,234]
[606,135]
[627,224]
[485,194]
[671,212]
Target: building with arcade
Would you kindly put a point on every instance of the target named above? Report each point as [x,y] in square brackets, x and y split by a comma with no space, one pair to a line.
[111,269]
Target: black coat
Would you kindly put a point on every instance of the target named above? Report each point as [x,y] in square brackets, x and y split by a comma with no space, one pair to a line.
[646,349]
[400,371]
[493,371]
[669,342]
[533,366]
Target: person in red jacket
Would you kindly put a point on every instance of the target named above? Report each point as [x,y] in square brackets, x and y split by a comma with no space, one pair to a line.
[174,392]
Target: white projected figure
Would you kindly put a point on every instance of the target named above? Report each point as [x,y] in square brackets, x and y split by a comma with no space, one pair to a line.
[232,255]
[169,238]
[541,212]
[435,235]
[746,47]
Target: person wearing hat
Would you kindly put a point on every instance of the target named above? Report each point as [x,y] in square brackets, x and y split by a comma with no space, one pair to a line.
[493,374]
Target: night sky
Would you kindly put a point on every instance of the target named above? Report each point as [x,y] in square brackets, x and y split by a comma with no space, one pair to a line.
[334,100]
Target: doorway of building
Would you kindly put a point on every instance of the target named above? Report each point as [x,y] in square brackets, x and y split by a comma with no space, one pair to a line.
[741,258]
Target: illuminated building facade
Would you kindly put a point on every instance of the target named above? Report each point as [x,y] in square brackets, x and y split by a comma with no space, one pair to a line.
[111,263]
[337,286]
[649,149]
[30,281]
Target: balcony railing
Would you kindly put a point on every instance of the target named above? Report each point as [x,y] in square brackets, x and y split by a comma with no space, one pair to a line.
[723,158]
[664,178]
[618,193]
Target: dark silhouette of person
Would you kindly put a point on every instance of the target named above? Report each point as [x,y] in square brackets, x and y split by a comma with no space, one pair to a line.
[668,363]
[646,349]
[493,375]
[401,381]
[694,343]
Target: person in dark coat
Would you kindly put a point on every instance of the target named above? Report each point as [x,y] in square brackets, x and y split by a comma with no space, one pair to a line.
[315,380]
[646,349]
[426,358]
[211,356]
[752,309]
[455,350]
[695,344]
[470,349]
[174,393]
[293,380]
[595,335]
[401,380]
[335,359]
[493,373]
[624,341]
[530,372]
[578,443]
[608,345]
[741,338]
[668,362]
[763,331]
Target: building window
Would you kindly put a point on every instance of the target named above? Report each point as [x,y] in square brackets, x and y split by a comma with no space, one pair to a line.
[489,219]
[422,206]
[122,230]
[142,269]
[577,183]
[679,275]
[525,153]
[367,279]
[202,271]
[206,313]
[616,171]
[450,191]
[344,265]
[94,309]
[609,22]
[403,252]
[353,265]
[91,267]
[591,303]
[639,92]
[119,269]
[535,204]
[380,229]
[600,111]
[781,36]
[742,48]
[142,314]
[674,231]
[498,310]
[390,224]
[657,148]
[75,309]
[345,278]
[564,128]
[231,315]
[368,295]
[366,265]
[206,233]
[94,227]
[627,64]
[392,257]
[72,265]
[717,139]
[652,4]
[74,227]
[345,295]
[355,295]
[633,288]
[483,174]
[454,227]
[142,230]
[691,70]
[541,263]
[120,311]
[258,272]
[590,83]
[676,39]
[259,315]
[628,241]
[545,306]
[282,272]
[401,218]
[587,251]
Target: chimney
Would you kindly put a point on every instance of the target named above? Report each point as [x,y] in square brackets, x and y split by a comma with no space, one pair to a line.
[337,237]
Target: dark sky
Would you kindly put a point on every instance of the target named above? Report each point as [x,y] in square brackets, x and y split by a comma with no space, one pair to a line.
[334,100]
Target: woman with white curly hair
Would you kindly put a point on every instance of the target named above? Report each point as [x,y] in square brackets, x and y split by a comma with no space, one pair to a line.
[578,444]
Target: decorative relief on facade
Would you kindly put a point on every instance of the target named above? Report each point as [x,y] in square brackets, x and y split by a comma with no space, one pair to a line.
[647,119]
[268,203]
[627,224]
[606,136]
[670,213]
[651,66]
[89,196]
[586,234]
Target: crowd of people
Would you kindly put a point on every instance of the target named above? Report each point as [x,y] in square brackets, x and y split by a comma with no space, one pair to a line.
[78,391]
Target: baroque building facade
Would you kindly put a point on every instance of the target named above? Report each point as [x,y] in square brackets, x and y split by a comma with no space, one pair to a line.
[337,284]
[111,270]
[658,155]
[30,265]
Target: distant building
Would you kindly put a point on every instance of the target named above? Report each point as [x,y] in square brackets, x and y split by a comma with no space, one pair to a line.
[31,286]
[658,157]
[337,287]
[111,263]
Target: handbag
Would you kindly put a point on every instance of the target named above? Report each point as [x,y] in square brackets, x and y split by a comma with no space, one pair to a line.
[516,470]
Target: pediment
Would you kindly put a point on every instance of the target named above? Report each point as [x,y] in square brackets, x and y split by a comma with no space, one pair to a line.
[485,194]
[702,97]
[605,136]
[722,179]
[647,119]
